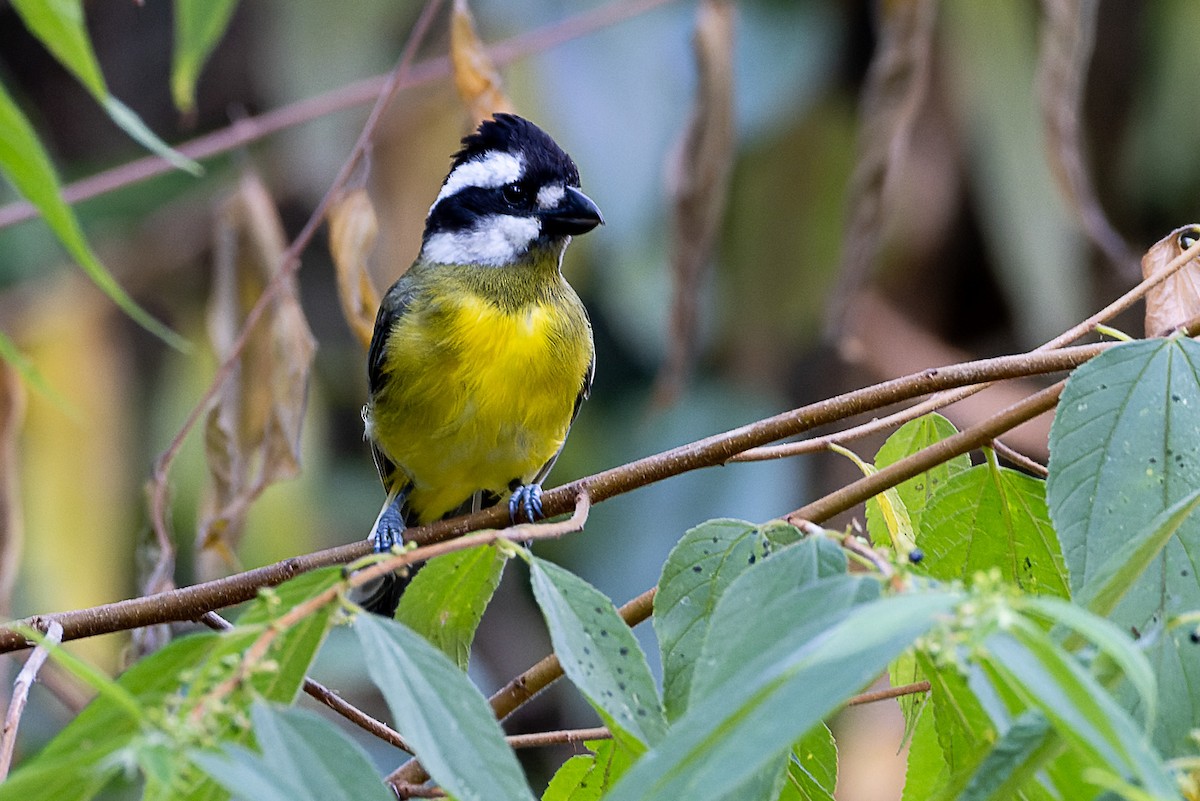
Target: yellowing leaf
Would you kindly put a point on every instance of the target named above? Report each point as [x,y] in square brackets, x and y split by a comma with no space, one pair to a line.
[891,506]
[252,434]
[1176,300]
[353,229]
[475,76]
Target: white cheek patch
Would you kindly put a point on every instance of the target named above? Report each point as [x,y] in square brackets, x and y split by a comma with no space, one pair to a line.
[494,169]
[550,196]
[495,241]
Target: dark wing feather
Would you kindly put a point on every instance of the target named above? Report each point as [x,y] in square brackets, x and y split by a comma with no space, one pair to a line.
[393,306]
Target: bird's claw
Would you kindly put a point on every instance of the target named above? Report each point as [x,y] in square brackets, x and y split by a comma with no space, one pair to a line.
[389,531]
[526,499]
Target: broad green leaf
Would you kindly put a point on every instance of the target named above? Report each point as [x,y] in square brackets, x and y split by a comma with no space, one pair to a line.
[59,26]
[698,570]
[961,722]
[301,757]
[441,713]
[199,25]
[588,776]
[804,585]
[1124,449]
[992,517]
[599,654]
[25,164]
[812,767]
[916,492]
[446,599]
[781,692]
[1080,709]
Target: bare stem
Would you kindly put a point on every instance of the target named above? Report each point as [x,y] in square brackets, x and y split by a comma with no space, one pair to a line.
[20,694]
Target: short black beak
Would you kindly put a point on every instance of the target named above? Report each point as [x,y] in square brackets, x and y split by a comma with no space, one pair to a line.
[575,214]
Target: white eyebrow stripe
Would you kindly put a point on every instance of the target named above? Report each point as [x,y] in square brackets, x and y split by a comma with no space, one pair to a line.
[494,169]
[550,196]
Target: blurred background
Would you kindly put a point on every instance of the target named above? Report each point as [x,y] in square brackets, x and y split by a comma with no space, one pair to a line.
[974,246]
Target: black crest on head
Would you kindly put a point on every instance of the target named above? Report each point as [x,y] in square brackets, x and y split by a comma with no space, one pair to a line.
[544,160]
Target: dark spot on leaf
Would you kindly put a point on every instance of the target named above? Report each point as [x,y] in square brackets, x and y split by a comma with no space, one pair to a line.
[621,686]
[697,569]
[623,651]
[1194,636]
[752,558]
[603,632]
[1184,573]
[1153,460]
[641,712]
[1174,398]
[1028,563]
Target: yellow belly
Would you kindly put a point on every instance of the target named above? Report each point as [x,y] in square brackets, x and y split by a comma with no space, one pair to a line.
[477,396]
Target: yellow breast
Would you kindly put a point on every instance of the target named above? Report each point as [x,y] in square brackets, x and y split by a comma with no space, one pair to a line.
[478,395]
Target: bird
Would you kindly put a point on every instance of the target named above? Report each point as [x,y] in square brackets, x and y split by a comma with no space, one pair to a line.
[482,353]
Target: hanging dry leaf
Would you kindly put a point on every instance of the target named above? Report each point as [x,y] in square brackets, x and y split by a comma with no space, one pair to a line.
[12,412]
[698,183]
[252,433]
[894,92]
[1176,300]
[1065,52]
[353,229]
[475,76]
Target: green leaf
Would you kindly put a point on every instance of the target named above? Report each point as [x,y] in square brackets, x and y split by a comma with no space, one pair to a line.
[1111,641]
[28,371]
[588,776]
[812,767]
[440,713]
[303,757]
[916,492]
[1124,450]
[199,25]
[698,570]
[25,164]
[963,726]
[1080,709]
[781,692]
[925,770]
[447,598]
[893,526]
[992,517]
[805,584]
[59,26]
[599,654]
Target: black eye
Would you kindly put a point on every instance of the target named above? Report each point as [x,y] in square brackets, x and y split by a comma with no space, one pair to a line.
[1188,238]
[515,194]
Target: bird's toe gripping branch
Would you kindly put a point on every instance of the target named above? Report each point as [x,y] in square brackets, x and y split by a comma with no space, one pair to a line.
[526,501]
[389,526]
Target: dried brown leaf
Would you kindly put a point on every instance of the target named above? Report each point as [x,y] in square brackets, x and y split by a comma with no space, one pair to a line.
[12,413]
[252,433]
[353,229]
[1065,52]
[475,76]
[698,182]
[1176,300]
[895,90]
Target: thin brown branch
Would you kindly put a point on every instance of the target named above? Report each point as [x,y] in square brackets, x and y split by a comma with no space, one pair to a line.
[20,694]
[891,692]
[250,129]
[189,603]
[1020,460]
[566,736]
